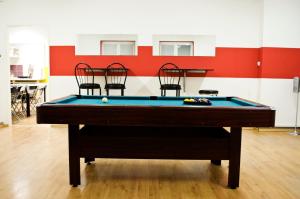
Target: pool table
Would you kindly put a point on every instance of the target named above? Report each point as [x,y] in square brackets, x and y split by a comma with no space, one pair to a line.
[155,128]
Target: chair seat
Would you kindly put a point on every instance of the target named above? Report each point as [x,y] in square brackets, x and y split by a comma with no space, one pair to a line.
[170,87]
[89,86]
[114,86]
[208,92]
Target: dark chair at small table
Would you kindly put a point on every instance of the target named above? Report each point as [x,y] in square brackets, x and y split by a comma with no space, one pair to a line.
[209,92]
[85,78]
[169,78]
[18,109]
[36,96]
[115,77]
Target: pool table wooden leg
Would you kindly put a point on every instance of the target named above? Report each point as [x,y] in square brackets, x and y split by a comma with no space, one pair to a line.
[216,162]
[74,157]
[234,157]
[88,160]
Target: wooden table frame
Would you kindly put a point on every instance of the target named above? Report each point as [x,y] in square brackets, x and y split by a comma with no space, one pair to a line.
[205,121]
[134,148]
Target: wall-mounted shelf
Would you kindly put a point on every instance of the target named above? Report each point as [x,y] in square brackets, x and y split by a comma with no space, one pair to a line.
[103,69]
[185,71]
[24,80]
[192,70]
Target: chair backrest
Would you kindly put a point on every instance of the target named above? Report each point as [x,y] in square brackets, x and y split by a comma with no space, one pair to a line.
[37,95]
[16,93]
[84,74]
[116,73]
[31,89]
[169,73]
[15,89]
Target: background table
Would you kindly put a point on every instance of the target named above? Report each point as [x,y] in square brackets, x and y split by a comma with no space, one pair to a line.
[27,93]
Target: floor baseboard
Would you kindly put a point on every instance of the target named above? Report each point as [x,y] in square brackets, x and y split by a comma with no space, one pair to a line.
[2,125]
[275,129]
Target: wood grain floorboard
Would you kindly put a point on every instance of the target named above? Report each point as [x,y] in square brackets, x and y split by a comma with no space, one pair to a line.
[34,165]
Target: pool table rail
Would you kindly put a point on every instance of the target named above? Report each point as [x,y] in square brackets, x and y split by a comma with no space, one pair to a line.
[118,115]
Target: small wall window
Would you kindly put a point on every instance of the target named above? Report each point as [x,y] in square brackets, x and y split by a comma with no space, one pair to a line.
[176,48]
[117,47]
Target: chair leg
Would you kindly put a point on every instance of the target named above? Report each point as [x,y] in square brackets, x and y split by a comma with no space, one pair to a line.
[79,92]
[92,91]
[161,92]
[107,92]
[88,91]
[122,92]
[99,91]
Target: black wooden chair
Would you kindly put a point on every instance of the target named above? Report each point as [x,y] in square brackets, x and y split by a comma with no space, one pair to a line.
[18,109]
[209,92]
[115,77]
[85,78]
[36,96]
[169,78]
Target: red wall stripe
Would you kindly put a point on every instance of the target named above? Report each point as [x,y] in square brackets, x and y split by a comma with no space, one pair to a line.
[280,62]
[228,62]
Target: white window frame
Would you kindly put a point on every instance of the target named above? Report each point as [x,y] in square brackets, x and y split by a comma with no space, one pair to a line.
[118,43]
[176,45]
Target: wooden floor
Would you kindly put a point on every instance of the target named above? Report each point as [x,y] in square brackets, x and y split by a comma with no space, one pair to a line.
[34,165]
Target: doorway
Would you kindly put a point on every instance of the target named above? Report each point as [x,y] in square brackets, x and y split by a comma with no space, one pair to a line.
[28,53]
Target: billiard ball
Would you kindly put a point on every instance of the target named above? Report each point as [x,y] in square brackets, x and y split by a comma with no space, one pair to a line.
[104,100]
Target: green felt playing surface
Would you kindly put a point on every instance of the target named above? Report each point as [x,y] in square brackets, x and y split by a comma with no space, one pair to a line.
[150,101]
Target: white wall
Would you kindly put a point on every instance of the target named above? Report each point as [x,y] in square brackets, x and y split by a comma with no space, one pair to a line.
[234,23]
[280,29]
[278,93]
[281,23]
[5,115]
